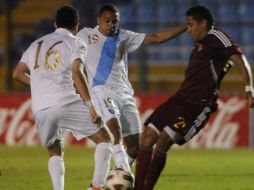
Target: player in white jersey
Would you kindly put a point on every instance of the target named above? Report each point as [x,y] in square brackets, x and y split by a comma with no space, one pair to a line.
[107,67]
[55,63]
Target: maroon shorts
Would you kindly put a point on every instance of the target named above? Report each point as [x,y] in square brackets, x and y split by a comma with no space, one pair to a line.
[180,118]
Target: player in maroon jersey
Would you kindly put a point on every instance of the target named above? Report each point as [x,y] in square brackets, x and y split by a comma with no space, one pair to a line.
[181,117]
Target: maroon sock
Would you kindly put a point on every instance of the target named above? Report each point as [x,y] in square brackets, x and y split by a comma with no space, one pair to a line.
[157,164]
[142,163]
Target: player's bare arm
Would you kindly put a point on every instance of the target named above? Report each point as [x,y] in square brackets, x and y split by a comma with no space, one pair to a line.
[79,79]
[80,83]
[20,73]
[245,69]
[164,35]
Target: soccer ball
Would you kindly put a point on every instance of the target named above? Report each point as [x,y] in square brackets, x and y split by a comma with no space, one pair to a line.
[119,179]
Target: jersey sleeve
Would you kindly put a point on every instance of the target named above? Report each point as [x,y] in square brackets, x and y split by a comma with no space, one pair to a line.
[224,43]
[83,34]
[133,40]
[79,51]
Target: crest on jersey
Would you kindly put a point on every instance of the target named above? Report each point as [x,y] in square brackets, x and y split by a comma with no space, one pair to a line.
[111,110]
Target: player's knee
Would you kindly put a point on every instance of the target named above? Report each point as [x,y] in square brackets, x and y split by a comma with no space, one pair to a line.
[56,148]
[115,129]
[102,136]
[106,137]
[114,123]
[149,137]
[132,142]
[164,142]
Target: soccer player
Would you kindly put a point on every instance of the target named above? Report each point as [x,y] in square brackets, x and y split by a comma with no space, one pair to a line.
[55,62]
[181,117]
[107,67]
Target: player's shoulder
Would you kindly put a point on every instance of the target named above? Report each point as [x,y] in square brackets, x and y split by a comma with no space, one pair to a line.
[38,40]
[127,33]
[217,33]
[46,37]
[77,42]
[85,30]
[218,36]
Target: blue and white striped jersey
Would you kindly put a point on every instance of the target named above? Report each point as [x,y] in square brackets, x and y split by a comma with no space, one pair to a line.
[107,57]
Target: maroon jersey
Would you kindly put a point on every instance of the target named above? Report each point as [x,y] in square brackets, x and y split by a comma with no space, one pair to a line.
[185,114]
[207,67]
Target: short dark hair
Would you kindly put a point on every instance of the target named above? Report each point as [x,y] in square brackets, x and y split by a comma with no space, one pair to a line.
[67,17]
[109,7]
[201,12]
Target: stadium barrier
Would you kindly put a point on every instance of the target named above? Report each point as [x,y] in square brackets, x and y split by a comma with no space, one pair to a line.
[229,127]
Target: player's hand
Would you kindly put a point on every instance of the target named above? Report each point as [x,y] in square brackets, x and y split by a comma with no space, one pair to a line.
[96,118]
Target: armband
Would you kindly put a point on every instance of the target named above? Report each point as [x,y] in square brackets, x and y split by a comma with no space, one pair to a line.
[89,103]
[249,88]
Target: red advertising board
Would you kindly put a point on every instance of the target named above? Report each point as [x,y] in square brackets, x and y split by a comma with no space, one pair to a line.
[228,127]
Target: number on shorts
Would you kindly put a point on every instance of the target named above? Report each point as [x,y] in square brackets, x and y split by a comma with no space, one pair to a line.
[108,102]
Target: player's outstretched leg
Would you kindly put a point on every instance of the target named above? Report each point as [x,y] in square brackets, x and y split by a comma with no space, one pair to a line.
[148,139]
[142,163]
[158,161]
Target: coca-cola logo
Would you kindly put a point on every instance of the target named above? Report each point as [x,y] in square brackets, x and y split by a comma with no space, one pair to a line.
[228,127]
[221,131]
[17,126]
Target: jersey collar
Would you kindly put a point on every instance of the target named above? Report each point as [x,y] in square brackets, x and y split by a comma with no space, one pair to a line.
[103,36]
[63,31]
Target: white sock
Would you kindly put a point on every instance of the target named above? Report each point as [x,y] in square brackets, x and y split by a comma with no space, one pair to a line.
[120,157]
[56,171]
[130,160]
[102,158]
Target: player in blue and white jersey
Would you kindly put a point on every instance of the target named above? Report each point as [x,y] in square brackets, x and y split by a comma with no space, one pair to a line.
[55,62]
[107,66]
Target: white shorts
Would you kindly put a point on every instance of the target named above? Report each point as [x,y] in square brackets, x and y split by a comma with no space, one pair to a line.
[74,117]
[120,105]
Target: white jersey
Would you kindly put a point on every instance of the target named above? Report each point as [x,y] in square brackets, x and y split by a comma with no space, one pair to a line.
[106,60]
[49,60]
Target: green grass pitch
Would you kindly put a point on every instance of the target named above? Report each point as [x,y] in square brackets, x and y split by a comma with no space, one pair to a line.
[25,168]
